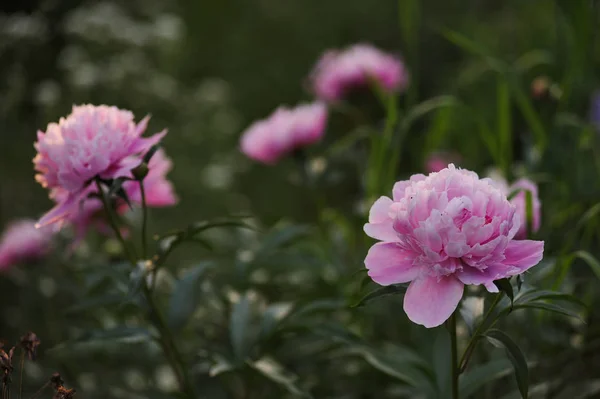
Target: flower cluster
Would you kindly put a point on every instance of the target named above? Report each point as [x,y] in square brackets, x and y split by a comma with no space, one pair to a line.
[336,73]
[96,142]
[443,231]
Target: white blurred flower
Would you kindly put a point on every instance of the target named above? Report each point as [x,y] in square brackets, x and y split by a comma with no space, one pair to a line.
[472,309]
[168,27]
[47,93]
[217,176]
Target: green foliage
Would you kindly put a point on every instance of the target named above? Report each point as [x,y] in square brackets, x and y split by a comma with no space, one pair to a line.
[501,340]
[276,302]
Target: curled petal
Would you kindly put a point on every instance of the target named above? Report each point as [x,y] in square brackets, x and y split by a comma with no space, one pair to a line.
[381,231]
[59,211]
[523,254]
[380,210]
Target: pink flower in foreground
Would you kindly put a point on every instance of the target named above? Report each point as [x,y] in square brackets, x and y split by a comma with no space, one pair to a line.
[337,72]
[92,141]
[22,242]
[284,131]
[159,193]
[443,231]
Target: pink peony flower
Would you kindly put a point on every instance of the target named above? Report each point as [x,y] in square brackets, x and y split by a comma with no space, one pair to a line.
[443,231]
[339,71]
[92,141]
[284,131]
[22,242]
[439,160]
[90,213]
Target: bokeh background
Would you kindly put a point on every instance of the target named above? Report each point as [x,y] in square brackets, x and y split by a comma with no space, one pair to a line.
[206,69]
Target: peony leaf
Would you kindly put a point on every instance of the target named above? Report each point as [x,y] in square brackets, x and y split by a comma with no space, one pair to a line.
[396,289]
[197,228]
[537,295]
[117,334]
[500,339]
[185,295]
[312,307]
[281,237]
[99,301]
[505,286]
[476,378]
[239,328]
[171,240]
[519,282]
[549,307]
[275,372]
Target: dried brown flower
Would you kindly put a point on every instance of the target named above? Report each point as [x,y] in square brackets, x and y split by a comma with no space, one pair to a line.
[58,385]
[6,364]
[30,342]
[64,393]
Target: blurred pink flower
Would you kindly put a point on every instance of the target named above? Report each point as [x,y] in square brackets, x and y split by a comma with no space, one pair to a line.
[520,201]
[22,242]
[284,131]
[90,212]
[339,71]
[437,161]
[443,231]
[92,141]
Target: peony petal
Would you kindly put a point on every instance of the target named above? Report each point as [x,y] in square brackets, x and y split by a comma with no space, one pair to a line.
[523,254]
[59,212]
[491,287]
[389,264]
[474,276]
[430,301]
[142,145]
[380,211]
[381,231]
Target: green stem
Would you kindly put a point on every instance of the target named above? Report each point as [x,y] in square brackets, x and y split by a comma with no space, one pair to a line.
[169,346]
[464,360]
[21,374]
[165,337]
[381,144]
[454,357]
[112,219]
[144,221]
